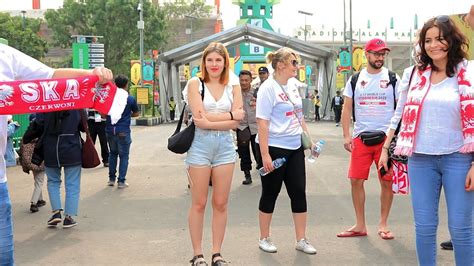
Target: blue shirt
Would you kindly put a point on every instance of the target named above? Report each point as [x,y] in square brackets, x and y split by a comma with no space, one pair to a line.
[123,125]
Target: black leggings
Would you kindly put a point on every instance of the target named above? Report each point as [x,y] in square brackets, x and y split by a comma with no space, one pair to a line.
[292,173]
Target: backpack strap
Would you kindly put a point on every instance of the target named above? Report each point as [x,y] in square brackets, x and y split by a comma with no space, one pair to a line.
[392,76]
[354,79]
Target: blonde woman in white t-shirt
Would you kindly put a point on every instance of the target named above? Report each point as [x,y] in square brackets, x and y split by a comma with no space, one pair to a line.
[280,123]
[212,154]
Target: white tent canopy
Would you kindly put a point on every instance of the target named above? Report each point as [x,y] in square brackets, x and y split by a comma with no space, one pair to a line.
[170,61]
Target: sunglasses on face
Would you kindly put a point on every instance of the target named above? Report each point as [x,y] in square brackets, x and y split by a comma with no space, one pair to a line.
[378,54]
[295,62]
[442,18]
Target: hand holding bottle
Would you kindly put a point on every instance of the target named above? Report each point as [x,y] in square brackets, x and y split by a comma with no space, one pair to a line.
[276,164]
[316,151]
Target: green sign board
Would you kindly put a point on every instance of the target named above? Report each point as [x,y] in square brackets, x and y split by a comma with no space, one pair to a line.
[80,55]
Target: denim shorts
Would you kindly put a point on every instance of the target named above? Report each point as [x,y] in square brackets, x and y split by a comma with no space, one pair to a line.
[211,148]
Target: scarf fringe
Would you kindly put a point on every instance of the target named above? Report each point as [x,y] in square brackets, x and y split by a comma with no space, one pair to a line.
[403,150]
[467,148]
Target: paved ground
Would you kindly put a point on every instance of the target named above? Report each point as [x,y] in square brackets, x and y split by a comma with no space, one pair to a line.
[146,223]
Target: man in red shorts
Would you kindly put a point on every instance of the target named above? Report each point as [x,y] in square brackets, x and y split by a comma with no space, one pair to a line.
[372,96]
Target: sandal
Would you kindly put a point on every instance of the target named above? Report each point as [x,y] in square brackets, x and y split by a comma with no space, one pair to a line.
[198,260]
[218,262]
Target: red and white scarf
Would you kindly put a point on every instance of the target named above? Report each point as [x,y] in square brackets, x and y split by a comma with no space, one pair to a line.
[416,95]
[50,95]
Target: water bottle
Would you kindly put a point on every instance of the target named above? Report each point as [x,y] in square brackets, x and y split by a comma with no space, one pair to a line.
[276,164]
[316,151]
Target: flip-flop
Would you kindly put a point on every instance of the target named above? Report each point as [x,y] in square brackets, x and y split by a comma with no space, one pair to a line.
[385,235]
[350,233]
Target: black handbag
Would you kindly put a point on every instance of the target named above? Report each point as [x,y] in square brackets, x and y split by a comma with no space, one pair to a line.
[371,138]
[181,141]
[243,136]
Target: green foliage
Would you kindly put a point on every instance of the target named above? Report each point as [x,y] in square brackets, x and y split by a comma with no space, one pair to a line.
[181,8]
[116,21]
[25,39]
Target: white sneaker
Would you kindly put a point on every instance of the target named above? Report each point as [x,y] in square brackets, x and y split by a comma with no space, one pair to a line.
[305,246]
[122,185]
[266,245]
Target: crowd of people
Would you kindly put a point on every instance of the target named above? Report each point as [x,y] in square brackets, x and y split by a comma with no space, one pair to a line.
[431,104]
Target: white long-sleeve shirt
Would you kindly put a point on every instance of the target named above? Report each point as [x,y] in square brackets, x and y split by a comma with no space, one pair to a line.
[15,65]
[439,128]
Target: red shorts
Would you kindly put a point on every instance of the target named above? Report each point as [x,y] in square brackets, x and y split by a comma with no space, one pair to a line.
[362,157]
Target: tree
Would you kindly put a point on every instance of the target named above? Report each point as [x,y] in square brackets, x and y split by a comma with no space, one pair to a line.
[181,8]
[23,34]
[183,14]
[116,21]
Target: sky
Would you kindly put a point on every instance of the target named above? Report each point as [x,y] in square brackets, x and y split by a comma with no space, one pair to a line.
[325,12]
[330,13]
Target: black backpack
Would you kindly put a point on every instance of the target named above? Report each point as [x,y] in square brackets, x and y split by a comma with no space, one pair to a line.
[392,81]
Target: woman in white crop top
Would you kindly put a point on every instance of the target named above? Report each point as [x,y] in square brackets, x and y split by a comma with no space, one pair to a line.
[437,135]
[212,154]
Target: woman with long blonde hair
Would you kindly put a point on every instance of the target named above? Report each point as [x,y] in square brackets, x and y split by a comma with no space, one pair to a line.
[280,123]
[212,154]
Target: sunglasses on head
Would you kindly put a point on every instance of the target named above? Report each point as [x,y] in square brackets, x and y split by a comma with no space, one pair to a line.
[442,18]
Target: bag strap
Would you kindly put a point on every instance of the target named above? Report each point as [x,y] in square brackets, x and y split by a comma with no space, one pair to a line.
[409,82]
[392,77]
[180,122]
[354,79]
[294,105]
[84,122]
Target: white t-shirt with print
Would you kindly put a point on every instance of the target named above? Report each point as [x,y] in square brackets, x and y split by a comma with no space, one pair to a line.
[373,101]
[15,65]
[273,105]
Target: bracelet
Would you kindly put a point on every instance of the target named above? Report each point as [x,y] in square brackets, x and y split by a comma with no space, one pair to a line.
[231,116]
[383,147]
[472,163]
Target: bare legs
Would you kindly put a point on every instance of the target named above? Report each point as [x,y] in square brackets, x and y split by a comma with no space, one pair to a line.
[221,181]
[358,200]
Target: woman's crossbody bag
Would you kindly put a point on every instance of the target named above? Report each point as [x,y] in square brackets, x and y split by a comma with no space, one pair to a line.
[305,138]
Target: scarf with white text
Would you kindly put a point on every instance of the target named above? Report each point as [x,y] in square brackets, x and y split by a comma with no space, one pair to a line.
[50,95]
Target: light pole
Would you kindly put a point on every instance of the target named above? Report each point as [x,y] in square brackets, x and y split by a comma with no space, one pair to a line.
[344,9]
[23,13]
[350,32]
[305,28]
[141,27]
[191,28]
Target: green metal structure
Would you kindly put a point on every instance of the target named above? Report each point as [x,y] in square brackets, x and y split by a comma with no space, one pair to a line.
[256,13]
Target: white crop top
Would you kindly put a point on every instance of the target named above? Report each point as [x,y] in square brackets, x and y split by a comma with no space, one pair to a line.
[222,105]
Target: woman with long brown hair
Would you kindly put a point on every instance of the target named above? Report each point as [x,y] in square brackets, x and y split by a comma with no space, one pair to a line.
[437,133]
